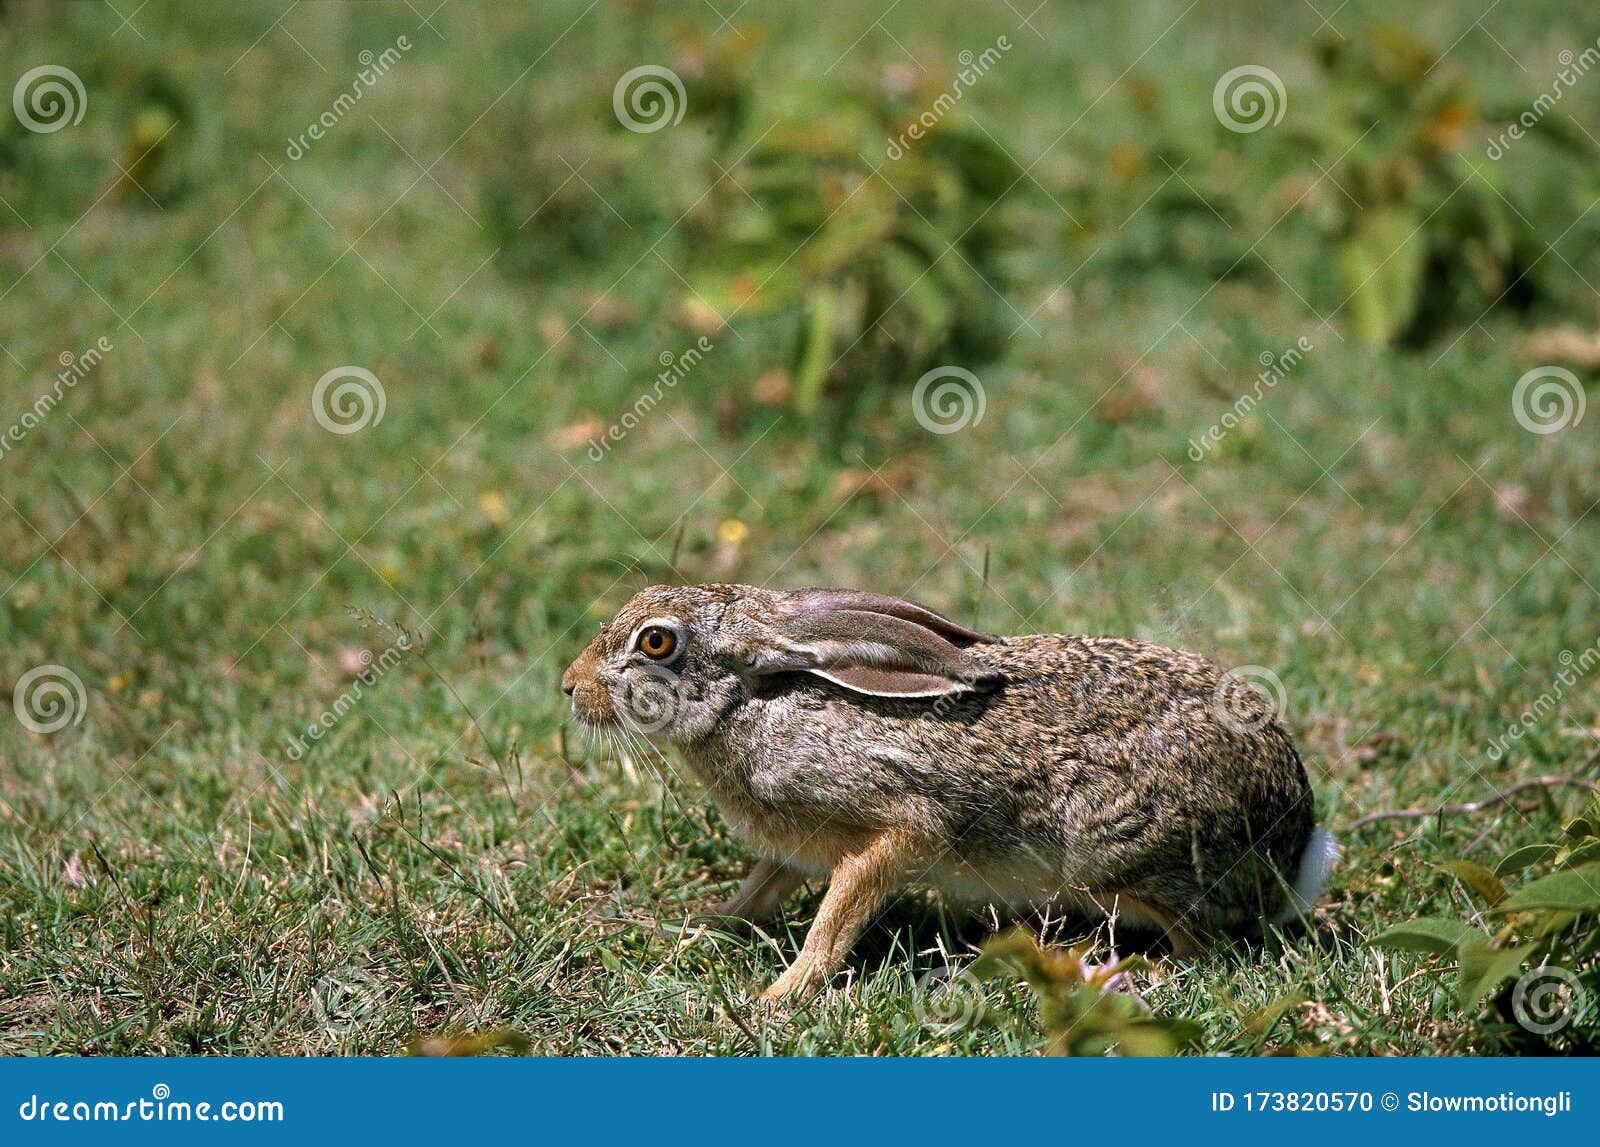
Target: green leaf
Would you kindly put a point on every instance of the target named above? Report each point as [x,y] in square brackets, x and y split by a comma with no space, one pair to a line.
[1581,854]
[1435,935]
[1158,1036]
[1483,967]
[1571,890]
[822,313]
[1261,1021]
[1478,878]
[1525,857]
[472,1043]
[1380,268]
[983,164]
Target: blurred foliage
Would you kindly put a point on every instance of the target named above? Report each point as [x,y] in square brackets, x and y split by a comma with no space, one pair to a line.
[1548,928]
[1162,198]
[567,181]
[811,219]
[1088,1009]
[1425,237]
[152,170]
[503,1039]
[1417,236]
[560,188]
[863,266]
[881,266]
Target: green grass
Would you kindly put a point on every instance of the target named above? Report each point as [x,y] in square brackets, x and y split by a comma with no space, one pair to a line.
[184,537]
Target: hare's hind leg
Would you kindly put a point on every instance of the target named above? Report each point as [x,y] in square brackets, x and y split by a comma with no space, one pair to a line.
[764,889]
[1142,914]
[857,886]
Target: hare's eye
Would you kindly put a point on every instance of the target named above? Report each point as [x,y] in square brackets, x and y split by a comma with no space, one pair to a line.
[657,642]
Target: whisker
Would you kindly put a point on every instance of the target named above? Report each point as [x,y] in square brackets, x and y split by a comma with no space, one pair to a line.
[652,753]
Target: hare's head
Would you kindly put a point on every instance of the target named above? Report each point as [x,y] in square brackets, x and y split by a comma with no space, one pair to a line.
[676,659]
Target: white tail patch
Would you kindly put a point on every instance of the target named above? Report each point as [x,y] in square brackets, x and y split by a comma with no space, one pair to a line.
[1316,862]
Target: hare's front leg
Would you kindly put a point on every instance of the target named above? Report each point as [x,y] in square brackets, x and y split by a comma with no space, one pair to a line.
[857,886]
[767,886]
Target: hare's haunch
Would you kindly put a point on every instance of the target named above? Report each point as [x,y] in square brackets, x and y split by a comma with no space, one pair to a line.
[866,738]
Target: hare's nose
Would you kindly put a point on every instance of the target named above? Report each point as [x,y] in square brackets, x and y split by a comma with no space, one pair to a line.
[569,681]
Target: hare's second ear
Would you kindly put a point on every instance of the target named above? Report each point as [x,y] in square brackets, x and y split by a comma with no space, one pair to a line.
[869,643]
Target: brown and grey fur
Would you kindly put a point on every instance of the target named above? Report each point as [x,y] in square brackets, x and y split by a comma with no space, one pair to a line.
[868,739]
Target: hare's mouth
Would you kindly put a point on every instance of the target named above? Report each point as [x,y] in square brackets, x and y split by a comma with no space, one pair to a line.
[591,705]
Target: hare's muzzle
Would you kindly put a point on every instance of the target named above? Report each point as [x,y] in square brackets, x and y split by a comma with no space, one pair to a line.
[590,700]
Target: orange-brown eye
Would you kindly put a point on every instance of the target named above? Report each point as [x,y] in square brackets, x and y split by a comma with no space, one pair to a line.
[657,642]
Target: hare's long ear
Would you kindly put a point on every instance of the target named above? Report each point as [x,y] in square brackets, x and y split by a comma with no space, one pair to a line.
[870,643]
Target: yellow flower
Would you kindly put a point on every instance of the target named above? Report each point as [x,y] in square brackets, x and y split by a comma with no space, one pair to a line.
[493,506]
[733,533]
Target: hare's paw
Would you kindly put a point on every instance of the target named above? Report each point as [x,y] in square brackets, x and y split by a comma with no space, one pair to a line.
[804,978]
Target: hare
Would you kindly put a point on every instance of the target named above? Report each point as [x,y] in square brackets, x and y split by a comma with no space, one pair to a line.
[866,738]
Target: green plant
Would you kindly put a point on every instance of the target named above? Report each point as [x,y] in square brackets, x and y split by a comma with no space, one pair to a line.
[1160,194]
[1545,931]
[1088,1009]
[1369,184]
[1424,235]
[877,267]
